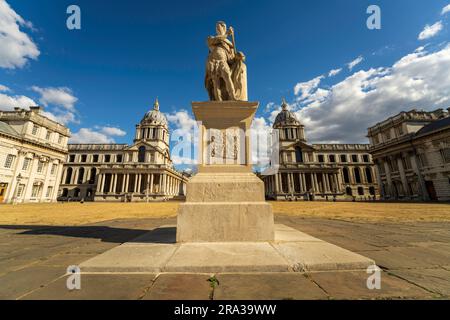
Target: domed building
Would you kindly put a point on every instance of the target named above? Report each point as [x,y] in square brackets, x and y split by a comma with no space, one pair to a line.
[318,171]
[142,171]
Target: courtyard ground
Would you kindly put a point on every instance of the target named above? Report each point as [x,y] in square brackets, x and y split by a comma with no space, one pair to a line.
[410,242]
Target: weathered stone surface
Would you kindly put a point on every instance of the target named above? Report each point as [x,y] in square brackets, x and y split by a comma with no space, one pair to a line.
[131,258]
[321,256]
[180,287]
[435,280]
[225,222]
[227,257]
[287,234]
[97,287]
[273,286]
[353,285]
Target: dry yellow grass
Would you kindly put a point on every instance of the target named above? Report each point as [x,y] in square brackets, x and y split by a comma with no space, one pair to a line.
[77,214]
[388,212]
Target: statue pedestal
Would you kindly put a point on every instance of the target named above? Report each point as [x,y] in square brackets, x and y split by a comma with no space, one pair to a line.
[225,200]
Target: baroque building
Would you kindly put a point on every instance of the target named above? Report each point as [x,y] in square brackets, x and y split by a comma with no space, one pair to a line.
[318,171]
[33,149]
[412,153]
[142,171]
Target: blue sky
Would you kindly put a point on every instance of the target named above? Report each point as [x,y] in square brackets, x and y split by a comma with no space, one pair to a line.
[130,52]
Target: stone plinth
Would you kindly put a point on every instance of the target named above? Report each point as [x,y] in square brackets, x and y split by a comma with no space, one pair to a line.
[225,200]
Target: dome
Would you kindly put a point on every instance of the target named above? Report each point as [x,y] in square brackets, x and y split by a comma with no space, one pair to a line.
[286,117]
[155,117]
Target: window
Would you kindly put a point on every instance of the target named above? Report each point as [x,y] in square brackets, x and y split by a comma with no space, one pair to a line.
[60,139]
[9,161]
[299,155]
[72,158]
[83,158]
[355,158]
[35,130]
[95,158]
[141,154]
[357,175]
[332,158]
[343,158]
[53,170]
[119,158]
[40,167]
[49,192]
[366,158]
[387,135]
[376,140]
[107,158]
[35,191]
[400,130]
[47,136]
[445,153]
[360,191]
[20,189]
[26,164]
[321,158]
[289,157]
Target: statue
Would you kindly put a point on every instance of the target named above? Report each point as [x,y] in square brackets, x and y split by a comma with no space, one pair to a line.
[226,72]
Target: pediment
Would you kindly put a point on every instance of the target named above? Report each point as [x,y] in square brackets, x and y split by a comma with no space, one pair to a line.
[301,144]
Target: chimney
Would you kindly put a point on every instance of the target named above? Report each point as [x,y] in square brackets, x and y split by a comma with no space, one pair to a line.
[36,109]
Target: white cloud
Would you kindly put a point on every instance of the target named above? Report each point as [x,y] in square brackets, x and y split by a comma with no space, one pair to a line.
[16,46]
[345,111]
[334,72]
[446,9]
[304,89]
[355,62]
[431,31]
[8,102]
[100,135]
[59,97]
[113,131]
[4,88]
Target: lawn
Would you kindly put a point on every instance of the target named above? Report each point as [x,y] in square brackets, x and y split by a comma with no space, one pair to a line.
[77,214]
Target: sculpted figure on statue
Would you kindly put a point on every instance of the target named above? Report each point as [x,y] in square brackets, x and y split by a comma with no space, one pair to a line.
[226,72]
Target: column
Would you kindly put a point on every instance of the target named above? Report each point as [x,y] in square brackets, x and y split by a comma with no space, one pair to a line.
[151,182]
[277,186]
[415,167]
[303,180]
[102,189]
[290,182]
[127,181]
[99,183]
[313,182]
[388,179]
[139,183]
[59,174]
[403,176]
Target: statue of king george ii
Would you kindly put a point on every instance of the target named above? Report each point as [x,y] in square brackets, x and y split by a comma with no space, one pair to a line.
[226,72]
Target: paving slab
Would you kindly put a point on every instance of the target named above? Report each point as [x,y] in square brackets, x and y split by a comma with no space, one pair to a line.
[353,285]
[15,284]
[227,257]
[97,287]
[180,287]
[268,286]
[321,256]
[131,258]
[284,233]
[435,280]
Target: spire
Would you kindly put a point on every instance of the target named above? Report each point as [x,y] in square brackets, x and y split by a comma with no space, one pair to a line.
[156,105]
[284,105]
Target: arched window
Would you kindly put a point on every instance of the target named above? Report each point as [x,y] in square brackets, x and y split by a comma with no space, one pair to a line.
[141,155]
[349,191]
[346,175]
[298,155]
[357,175]
[360,191]
[92,176]
[69,173]
[369,175]
[80,176]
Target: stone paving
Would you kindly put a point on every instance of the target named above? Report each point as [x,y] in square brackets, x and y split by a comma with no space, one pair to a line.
[415,258]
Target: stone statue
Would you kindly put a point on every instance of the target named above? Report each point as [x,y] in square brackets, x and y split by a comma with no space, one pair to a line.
[226,72]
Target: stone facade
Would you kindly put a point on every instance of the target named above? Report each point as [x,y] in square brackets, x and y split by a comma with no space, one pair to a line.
[412,154]
[142,171]
[318,171]
[33,149]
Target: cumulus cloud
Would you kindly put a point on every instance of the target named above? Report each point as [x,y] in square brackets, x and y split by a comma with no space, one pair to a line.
[345,111]
[16,46]
[4,88]
[59,97]
[446,9]
[304,89]
[431,31]
[99,135]
[9,102]
[184,138]
[334,72]
[355,62]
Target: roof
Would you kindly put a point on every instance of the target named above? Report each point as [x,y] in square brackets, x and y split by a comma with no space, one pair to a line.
[6,128]
[434,126]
